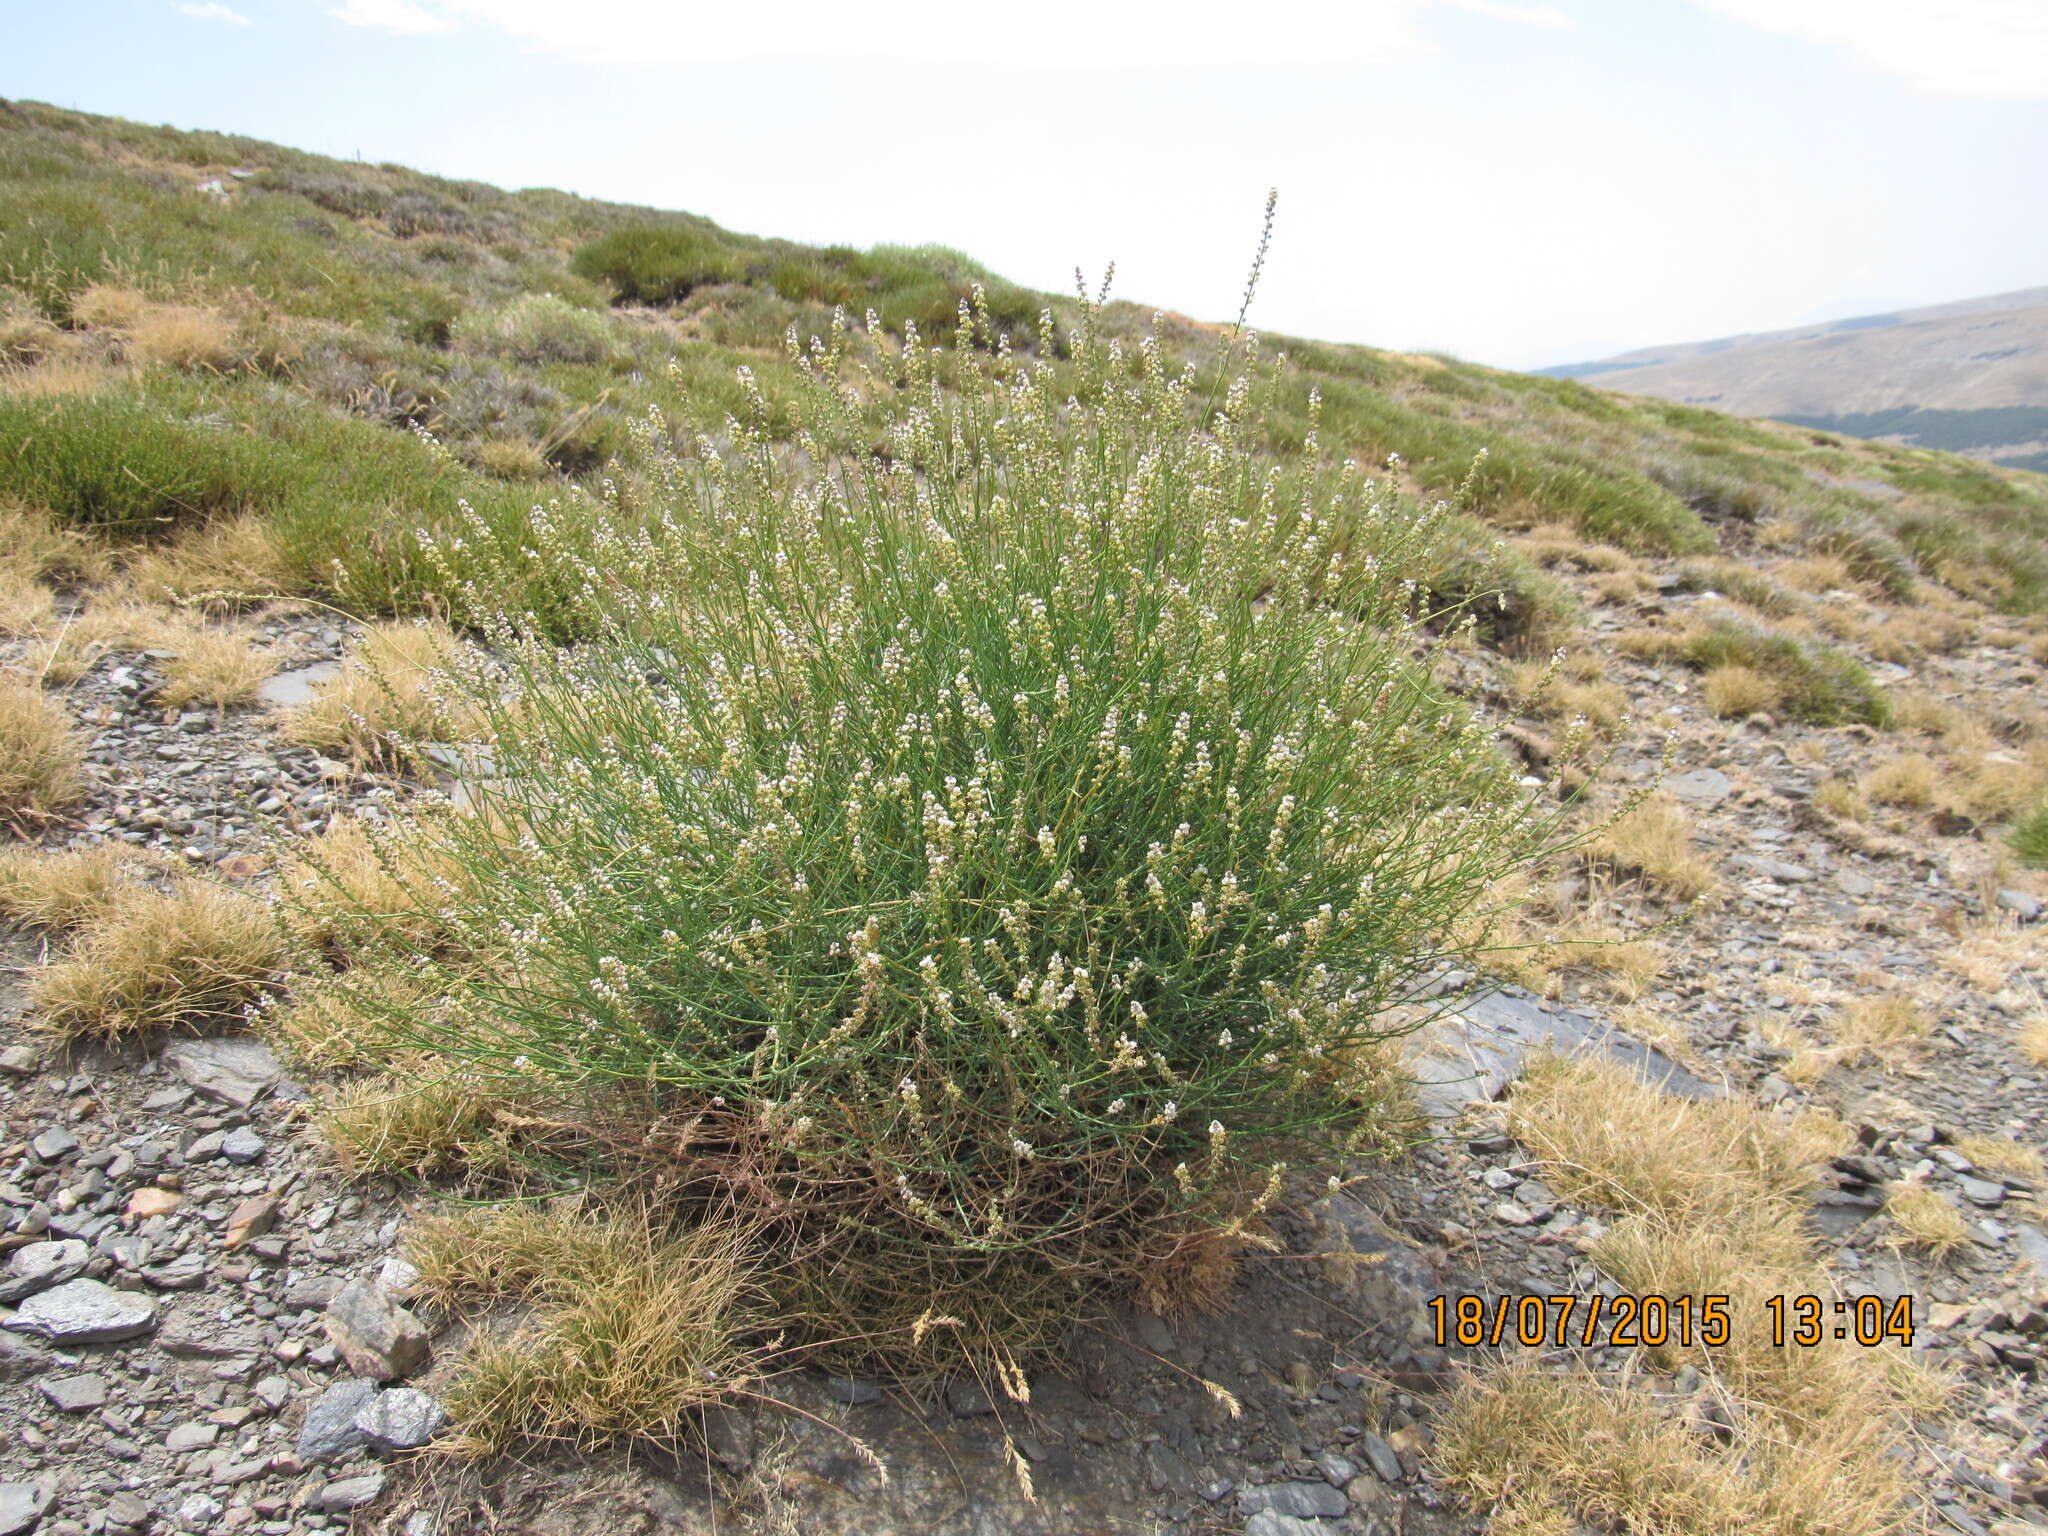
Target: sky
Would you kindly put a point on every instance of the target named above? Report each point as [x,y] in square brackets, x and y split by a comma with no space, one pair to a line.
[1516,183]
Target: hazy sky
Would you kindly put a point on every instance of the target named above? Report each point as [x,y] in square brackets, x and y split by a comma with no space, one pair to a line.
[1518,183]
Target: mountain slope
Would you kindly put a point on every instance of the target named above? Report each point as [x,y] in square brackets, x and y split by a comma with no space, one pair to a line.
[160,286]
[1969,377]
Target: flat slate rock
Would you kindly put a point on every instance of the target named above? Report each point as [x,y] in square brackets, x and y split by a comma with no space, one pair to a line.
[233,1070]
[21,1506]
[1705,787]
[85,1312]
[1469,1055]
[330,1428]
[301,685]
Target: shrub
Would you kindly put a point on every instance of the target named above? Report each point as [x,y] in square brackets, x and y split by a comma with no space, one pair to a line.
[657,263]
[150,962]
[39,753]
[987,875]
[1821,685]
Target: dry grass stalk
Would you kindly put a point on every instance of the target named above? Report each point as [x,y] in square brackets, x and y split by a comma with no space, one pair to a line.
[422,1116]
[381,700]
[1908,781]
[1710,1196]
[213,666]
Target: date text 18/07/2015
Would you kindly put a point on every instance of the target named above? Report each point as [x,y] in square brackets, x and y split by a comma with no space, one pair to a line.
[1653,1322]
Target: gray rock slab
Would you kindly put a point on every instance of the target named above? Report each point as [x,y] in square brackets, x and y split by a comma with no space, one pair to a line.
[330,1428]
[21,1506]
[301,685]
[1469,1055]
[1304,1501]
[39,1266]
[1269,1522]
[75,1394]
[233,1070]
[84,1312]
[401,1419]
[1386,1464]
[1704,787]
[349,1493]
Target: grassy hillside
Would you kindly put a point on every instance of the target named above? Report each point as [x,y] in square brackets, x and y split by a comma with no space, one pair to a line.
[221,341]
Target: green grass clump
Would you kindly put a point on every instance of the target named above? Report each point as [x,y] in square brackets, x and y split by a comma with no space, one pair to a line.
[1820,684]
[984,865]
[657,263]
[2030,839]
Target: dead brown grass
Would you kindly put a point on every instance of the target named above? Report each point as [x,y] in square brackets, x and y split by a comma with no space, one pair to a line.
[1709,1197]
[1909,782]
[149,962]
[213,666]
[184,336]
[228,563]
[1924,1218]
[633,1327]
[66,888]
[382,700]
[1652,841]
[1880,1027]
[420,1116]
[1733,690]
[41,756]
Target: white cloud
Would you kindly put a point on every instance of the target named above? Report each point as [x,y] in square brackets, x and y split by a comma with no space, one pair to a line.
[1289,34]
[1527,15]
[210,10]
[1956,48]
[392,16]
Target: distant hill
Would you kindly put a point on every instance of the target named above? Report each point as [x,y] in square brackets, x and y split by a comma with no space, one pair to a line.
[1969,377]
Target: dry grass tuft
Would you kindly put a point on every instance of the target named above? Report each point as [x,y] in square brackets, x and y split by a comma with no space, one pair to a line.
[40,754]
[213,666]
[421,1117]
[380,701]
[2002,1154]
[1909,782]
[1710,1197]
[184,336]
[109,306]
[634,1327]
[1569,692]
[1925,1219]
[64,889]
[152,962]
[2032,1041]
[1733,690]
[1841,799]
[1880,1027]
[1652,841]
[240,557]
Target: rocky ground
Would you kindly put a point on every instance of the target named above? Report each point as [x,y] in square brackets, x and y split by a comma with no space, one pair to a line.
[204,1326]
